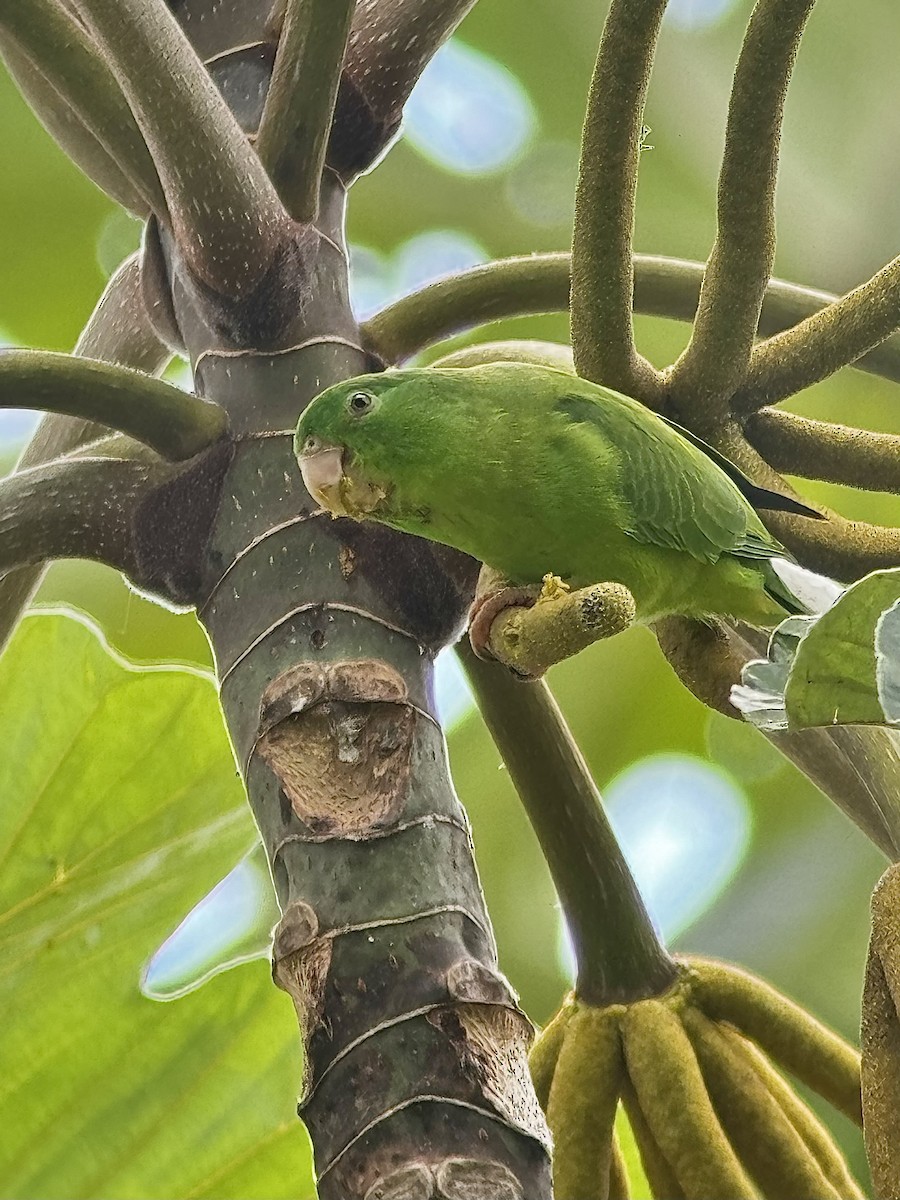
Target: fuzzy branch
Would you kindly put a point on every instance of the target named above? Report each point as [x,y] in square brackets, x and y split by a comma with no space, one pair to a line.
[845,550]
[515,287]
[717,358]
[83,103]
[296,122]
[225,213]
[602,272]
[822,450]
[75,508]
[618,955]
[174,424]
[830,339]
[391,43]
[509,287]
[118,332]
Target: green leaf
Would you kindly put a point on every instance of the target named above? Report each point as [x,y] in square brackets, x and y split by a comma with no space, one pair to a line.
[833,678]
[120,809]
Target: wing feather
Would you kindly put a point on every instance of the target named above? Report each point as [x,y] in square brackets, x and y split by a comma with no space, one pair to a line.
[675,494]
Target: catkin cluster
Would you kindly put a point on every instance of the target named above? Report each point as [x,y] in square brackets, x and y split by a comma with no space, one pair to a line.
[711,1115]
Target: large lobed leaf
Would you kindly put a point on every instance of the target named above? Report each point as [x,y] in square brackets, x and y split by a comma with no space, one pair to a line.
[119,808]
[839,668]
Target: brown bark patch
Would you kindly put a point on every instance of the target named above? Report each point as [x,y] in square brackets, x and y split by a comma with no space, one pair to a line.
[492,1042]
[303,974]
[453,1179]
[471,1179]
[339,738]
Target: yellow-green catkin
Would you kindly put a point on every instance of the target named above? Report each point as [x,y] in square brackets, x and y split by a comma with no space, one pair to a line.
[801,1116]
[582,1105]
[789,1035]
[545,1051]
[881,1039]
[660,1176]
[769,1146]
[672,1096]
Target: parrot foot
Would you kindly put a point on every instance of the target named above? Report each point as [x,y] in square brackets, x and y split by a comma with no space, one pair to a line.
[494,594]
[531,629]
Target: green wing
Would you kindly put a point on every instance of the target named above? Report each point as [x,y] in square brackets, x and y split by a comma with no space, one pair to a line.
[674,493]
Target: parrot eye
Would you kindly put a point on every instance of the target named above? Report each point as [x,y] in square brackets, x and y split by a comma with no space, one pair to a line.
[311,444]
[360,402]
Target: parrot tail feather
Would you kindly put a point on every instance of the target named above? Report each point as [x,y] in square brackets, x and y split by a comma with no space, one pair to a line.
[760,696]
[799,591]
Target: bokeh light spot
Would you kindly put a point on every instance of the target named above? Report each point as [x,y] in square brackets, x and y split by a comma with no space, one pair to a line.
[684,828]
[376,280]
[541,188]
[697,14]
[468,113]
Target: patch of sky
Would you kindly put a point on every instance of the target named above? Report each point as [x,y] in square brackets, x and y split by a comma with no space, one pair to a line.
[684,827]
[231,924]
[377,279]
[697,14]
[468,113]
[452,694]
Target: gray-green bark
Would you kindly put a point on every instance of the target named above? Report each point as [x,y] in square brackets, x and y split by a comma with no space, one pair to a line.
[325,634]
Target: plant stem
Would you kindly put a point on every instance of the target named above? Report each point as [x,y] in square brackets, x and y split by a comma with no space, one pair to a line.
[822,450]
[172,422]
[75,508]
[226,215]
[830,339]
[602,272]
[391,43]
[59,49]
[117,332]
[296,120]
[537,283]
[737,274]
[617,951]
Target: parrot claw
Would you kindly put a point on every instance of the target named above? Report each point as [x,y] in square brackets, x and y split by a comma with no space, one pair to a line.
[485,609]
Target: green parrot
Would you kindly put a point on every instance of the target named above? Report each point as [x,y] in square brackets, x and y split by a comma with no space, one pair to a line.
[535,472]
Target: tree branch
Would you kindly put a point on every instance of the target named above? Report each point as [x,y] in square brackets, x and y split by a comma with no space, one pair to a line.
[391,43]
[226,216]
[619,956]
[62,52]
[516,287]
[296,121]
[508,287]
[117,332]
[833,338]
[75,508]
[602,272]
[172,422]
[822,450]
[737,274]
[845,550]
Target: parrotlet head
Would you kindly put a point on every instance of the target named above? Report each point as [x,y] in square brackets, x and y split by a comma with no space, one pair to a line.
[352,437]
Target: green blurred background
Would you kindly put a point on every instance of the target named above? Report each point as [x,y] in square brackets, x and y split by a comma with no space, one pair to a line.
[738,854]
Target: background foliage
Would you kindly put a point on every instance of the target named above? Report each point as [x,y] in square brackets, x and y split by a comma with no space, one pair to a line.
[738,853]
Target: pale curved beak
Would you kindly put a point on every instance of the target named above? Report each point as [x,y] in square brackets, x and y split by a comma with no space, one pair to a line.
[322,472]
